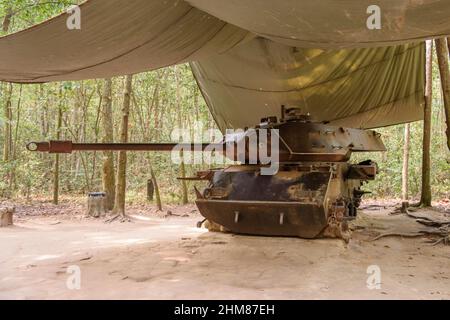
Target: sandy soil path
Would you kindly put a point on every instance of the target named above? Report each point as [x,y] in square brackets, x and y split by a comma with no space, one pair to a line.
[156,258]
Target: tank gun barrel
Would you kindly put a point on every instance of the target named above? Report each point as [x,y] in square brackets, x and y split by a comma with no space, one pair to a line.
[288,142]
[69,146]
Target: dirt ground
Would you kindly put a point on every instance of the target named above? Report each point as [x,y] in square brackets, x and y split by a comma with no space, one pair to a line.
[161,256]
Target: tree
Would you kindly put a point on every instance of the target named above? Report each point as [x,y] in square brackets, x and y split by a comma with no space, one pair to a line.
[8,139]
[184,188]
[7,146]
[108,178]
[425,197]
[405,203]
[443,56]
[7,19]
[14,138]
[155,185]
[8,124]
[184,198]
[448,45]
[56,164]
[119,203]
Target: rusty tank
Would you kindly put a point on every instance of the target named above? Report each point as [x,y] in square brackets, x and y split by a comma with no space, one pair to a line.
[313,192]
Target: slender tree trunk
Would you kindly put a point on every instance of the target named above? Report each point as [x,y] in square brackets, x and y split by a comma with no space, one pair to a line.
[155,185]
[45,127]
[7,140]
[44,114]
[425,197]
[184,189]
[448,45]
[7,19]
[119,204]
[153,108]
[96,134]
[56,165]
[7,137]
[140,117]
[76,121]
[153,133]
[196,105]
[16,130]
[405,203]
[12,180]
[185,198]
[8,112]
[108,178]
[443,56]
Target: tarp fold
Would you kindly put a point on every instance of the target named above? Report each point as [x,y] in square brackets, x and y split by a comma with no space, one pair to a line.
[362,88]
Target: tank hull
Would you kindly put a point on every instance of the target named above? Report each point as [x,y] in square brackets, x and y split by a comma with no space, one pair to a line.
[307,200]
[291,219]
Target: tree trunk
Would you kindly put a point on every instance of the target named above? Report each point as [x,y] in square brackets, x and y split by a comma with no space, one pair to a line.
[443,56]
[108,178]
[448,45]
[425,197]
[56,165]
[8,112]
[15,137]
[7,19]
[184,189]
[156,188]
[185,199]
[405,203]
[96,134]
[119,204]
[7,140]
[76,120]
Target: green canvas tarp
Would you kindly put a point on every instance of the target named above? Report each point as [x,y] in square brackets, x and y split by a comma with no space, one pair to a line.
[117,37]
[332,24]
[362,88]
[248,56]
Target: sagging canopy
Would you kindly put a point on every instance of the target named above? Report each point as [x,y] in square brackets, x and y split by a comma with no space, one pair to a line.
[248,56]
[361,88]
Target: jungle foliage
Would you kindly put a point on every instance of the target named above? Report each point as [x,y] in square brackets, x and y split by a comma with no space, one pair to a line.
[161,101]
